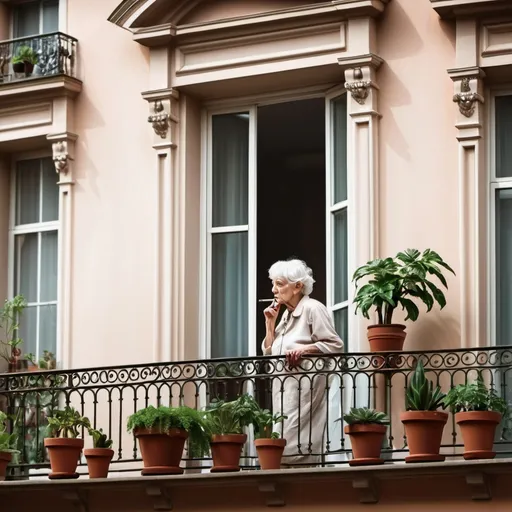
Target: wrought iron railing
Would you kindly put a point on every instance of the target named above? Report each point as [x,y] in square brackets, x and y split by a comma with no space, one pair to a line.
[38,56]
[328,384]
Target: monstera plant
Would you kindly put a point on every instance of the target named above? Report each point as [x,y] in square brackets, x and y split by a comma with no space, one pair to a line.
[398,282]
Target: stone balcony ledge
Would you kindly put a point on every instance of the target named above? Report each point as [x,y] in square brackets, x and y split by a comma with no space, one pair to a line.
[455,8]
[452,480]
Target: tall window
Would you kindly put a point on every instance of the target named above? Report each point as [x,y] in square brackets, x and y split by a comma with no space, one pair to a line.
[35,229]
[36,17]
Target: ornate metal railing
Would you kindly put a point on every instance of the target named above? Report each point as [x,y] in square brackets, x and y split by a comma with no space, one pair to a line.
[328,385]
[37,56]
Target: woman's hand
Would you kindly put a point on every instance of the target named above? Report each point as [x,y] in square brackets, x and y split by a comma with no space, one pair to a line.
[294,356]
[271,314]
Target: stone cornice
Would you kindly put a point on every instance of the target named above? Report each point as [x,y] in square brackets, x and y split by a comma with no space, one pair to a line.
[477,8]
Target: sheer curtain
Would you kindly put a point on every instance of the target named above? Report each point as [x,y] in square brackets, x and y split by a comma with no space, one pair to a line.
[229,272]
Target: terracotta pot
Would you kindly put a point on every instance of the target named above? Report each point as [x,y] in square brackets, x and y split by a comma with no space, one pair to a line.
[270,452]
[5,458]
[98,461]
[64,455]
[386,338]
[366,442]
[226,452]
[424,432]
[478,429]
[161,450]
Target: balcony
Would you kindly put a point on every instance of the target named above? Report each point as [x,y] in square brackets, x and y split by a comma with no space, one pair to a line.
[107,396]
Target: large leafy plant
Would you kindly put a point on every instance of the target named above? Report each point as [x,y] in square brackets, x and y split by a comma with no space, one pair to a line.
[7,441]
[421,395]
[230,417]
[365,416]
[394,282]
[67,423]
[165,418]
[475,397]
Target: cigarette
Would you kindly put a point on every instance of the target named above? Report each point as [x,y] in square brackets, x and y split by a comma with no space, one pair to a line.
[266,300]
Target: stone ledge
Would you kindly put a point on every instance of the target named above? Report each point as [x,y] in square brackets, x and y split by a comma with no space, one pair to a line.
[273,487]
[454,8]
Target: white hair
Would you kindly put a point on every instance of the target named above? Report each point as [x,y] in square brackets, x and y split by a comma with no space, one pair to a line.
[294,271]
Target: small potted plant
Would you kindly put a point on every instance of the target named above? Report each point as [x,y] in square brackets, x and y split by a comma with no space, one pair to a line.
[99,457]
[24,60]
[162,432]
[226,422]
[393,283]
[269,445]
[64,446]
[478,411]
[7,445]
[424,424]
[366,428]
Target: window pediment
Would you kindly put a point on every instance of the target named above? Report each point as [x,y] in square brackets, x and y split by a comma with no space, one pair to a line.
[139,14]
[455,8]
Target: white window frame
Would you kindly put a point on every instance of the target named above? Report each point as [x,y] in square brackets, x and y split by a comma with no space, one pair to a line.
[494,185]
[251,105]
[40,227]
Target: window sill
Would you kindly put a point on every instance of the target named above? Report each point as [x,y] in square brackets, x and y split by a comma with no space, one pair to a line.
[477,8]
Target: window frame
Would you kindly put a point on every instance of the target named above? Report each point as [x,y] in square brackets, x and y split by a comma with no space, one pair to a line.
[39,227]
[494,184]
[61,22]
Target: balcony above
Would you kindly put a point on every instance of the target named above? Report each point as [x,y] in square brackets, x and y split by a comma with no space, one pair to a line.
[43,65]
[477,8]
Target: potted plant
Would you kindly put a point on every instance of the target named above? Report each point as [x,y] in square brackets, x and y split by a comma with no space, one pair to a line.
[478,411]
[64,446]
[99,457]
[394,282]
[366,428]
[24,60]
[162,432]
[226,422]
[269,445]
[7,445]
[423,423]
[10,316]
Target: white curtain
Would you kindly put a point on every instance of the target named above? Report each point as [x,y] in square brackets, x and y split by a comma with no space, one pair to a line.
[229,295]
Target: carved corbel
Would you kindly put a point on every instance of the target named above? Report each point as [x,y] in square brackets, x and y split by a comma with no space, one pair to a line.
[358,88]
[478,484]
[61,156]
[161,497]
[367,490]
[466,98]
[78,499]
[159,119]
[273,497]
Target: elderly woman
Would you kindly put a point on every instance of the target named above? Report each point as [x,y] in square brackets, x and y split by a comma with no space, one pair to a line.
[306,327]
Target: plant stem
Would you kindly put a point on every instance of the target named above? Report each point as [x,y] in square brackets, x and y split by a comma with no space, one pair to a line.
[379,313]
[389,314]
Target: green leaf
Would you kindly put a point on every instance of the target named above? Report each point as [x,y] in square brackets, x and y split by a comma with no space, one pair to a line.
[411,308]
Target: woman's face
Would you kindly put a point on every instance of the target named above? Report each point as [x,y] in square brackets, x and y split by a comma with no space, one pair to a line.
[284,291]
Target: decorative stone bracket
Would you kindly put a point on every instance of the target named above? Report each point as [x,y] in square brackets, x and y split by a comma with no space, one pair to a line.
[161,497]
[466,98]
[271,492]
[159,119]
[359,88]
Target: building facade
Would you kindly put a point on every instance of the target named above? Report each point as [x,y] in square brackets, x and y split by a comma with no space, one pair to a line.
[158,156]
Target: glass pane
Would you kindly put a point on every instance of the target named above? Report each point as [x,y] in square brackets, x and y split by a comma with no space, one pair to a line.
[50,191]
[341,326]
[28,330]
[229,323]
[26,19]
[25,271]
[504,266]
[503,136]
[48,329]
[230,167]
[339,148]
[28,182]
[340,256]
[49,259]
[50,16]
